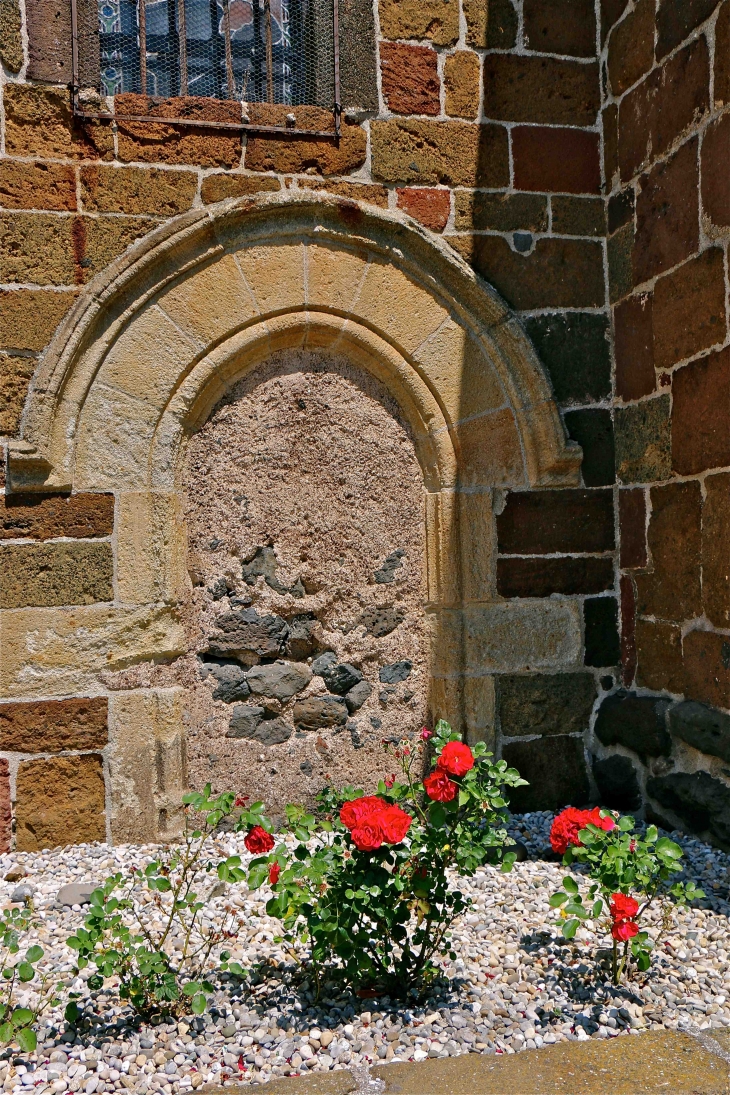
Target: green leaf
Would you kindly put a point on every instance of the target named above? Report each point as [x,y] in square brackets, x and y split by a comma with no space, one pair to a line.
[27,1039]
[21,1017]
[191,988]
[34,954]
[25,971]
[570,927]
[558,899]
[72,1013]
[570,884]
[665,846]
[6,1033]
[198,1005]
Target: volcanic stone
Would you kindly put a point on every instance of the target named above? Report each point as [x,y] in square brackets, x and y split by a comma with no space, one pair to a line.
[244,720]
[381,621]
[265,564]
[280,681]
[701,801]
[617,782]
[302,643]
[232,685]
[341,678]
[702,726]
[395,673]
[386,574]
[638,722]
[319,712]
[323,662]
[248,636]
[541,703]
[356,697]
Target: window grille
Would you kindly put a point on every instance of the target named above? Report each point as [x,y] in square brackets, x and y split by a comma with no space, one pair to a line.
[282,52]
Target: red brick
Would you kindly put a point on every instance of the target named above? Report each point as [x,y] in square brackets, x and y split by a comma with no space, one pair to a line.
[659,656]
[540,577]
[556,160]
[716,550]
[701,414]
[722,55]
[631,47]
[676,19]
[689,309]
[52,726]
[547,522]
[151,142]
[540,89]
[410,78]
[634,349]
[667,214]
[44,516]
[567,27]
[632,528]
[707,668]
[671,590]
[430,207]
[715,174]
[628,630]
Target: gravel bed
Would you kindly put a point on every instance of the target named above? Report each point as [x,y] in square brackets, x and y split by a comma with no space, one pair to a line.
[516,984]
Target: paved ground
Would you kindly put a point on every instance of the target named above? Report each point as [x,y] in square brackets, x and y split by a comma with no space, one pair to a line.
[660,1063]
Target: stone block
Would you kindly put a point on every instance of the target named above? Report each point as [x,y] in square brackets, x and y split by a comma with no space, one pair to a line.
[592,429]
[617,782]
[397,306]
[322,155]
[37,248]
[632,527]
[409,78]
[275,276]
[540,577]
[621,209]
[609,117]
[52,726]
[540,90]
[63,650]
[15,374]
[470,390]
[280,681]
[602,644]
[99,240]
[722,55]
[320,712]
[334,277]
[689,309]
[247,636]
[636,722]
[478,210]
[59,801]
[11,38]
[580,216]
[28,317]
[220,186]
[545,704]
[574,349]
[211,303]
[437,20]
[715,184]
[555,769]
[47,516]
[611,12]
[452,153]
[429,206]
[547,522]
[659,656]
[6,810]
[556,160]
[703,727]
[360,192]
[676,19]
[667,214]
[37,185]
[510,637]
[702,802]
[152,142]
[715,548]
[147,357]
[631,47]
[38,122]
[627,609]
[461,84]
[567,27]
[137,190]
[642,433]
[671,589]
[707,667]
[701,415]
[490,24]
[151,548]
[499,463]
[45,575]
[634,347]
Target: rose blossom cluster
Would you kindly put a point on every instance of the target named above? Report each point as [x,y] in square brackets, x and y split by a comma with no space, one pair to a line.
[372,822]
[456,760]
[567,825]
[623,909]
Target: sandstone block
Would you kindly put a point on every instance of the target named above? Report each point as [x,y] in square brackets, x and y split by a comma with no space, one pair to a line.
[715,546]
[51,726]
[38,122]
[210,303]
[700,419]
[545,704]
[59,801]
[579,216]
[452,153]
[11,41]
[510,637]
[99,240]
[373,195]
[540,90]
[28,317]
[461,83]
[398,307]
[137,190]
[548,522]
[430,207]
[150,142]
[567,27]
[37,185]
[410,79]
[500,461]
[46,516]
[218,187]
[275,276]
[470,389]
[659,656]
[327,157]
[6,810]
[643,441]
[637,722]
[552,159]
[55,574]
[37,248]
[490,24]
[437,20]
[146,359]
[333,277]
[15,374]
[151,548]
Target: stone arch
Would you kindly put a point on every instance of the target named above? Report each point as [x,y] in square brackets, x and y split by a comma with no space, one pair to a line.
[156,340]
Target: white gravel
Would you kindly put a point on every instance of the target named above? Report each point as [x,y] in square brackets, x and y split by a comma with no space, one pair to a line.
[515,985]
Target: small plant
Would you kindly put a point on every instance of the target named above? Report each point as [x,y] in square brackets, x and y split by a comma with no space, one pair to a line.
[16,1021]
[367,883]
[168,969]
[621,863]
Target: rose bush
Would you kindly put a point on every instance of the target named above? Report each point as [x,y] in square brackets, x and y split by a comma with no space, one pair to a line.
[366,883]
[628,874]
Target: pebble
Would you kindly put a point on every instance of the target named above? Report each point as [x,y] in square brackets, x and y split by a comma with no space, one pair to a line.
[515,984]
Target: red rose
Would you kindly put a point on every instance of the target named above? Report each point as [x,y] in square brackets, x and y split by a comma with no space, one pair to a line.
[439,787]
[623,907]
[456,758]
[360,809]
[594,818]
[368,836]
[426,734]
[257,840]
[624,929]
[394,824]
[274,872]
[565,829]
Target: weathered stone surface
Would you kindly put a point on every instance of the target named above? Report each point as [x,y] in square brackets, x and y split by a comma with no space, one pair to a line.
[59,801]
[159,143]
[76,893]
[490,24]
[409,78]
[362,192]
[659,653]
[151,548]
[631,49]
[322,154]
[263,563]
[427,152]
[50,726]
[28,318]
[689,309]
[320,712]
[249,637]
[395,673]
[11,41]
[574,349]
[303,636]
[45,575]
[667,214]
[6,811]
[510,636]
[632,526]
[323,662]
[555,770]
[47,516]
[381,621]
[676,19]
[638,722]
[555,159]
[701,801]
[500,212]
[540,89]
[461,83]
[541,577]
[567,27]
[550,521]
[38,122]
[701,726]
[341,677]
[617,782]
[700,418]
[437,20]
[546,704]
[602,645]
[15,374]
[357,696]
[280,681]
[715,546]
[722,55]
[707,667]
[248,721]
[231,686]
[578,216]
[643,441]
[137,190]
[426,204]
[671,589]
[592,429]
[634,335]
[218,187]
[37,185]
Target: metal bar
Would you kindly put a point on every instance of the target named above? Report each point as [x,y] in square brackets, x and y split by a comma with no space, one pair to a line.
[269,54]
[338,105]
[183,42]
[256,49]
[239,126]
[215,52]
[142,6]
[230,78]
[74,50]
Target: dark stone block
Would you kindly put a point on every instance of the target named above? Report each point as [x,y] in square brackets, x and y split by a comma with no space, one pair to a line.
[264,564]
[395,673]
[249,637]
[567,27]
[358,58]
[667,214]
[302,642]
[632,525]
[578,216]
[386,573]
[340,678]
[555,770]
[555,521]
[676,19]
[701,801]
[617,782]
[323,662]
[643,439]
[593,430]
[574,349]
[634,347]
[541,703]
[603,647]
[541,577]
[638,722]
[356,697]
[320,712]
[232,685]
[703,727]
[620,210]
[381,621]
[244,721]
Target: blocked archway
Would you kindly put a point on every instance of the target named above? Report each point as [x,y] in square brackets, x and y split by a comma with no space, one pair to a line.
[155,342]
